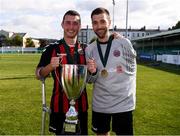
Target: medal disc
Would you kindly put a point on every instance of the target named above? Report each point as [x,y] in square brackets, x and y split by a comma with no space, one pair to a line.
[104,73]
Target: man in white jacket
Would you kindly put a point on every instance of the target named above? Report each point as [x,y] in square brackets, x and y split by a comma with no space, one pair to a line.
[114,86]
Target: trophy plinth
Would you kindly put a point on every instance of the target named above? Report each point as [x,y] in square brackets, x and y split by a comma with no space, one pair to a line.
[73,81]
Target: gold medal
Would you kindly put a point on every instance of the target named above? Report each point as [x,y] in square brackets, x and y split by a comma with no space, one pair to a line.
[104,73]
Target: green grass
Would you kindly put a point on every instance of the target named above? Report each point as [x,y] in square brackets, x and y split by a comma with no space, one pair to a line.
[158,103]
[158,98]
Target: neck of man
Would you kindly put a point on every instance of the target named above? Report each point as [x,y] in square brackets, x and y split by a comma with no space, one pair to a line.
[70,41]
[105,38]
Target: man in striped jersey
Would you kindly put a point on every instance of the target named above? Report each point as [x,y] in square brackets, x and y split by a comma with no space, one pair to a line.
[72,52]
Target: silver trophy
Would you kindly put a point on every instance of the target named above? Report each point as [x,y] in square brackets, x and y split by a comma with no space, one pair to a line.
[73,81]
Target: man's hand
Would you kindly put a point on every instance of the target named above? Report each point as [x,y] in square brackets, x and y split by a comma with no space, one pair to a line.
[91,65]
[55,61]
[117,35]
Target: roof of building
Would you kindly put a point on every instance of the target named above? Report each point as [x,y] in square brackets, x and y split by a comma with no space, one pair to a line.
[2,30]
[20,34]
[14,34]
[159,35]
[146,30]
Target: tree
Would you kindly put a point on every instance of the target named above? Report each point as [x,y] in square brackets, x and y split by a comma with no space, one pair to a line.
[2,40]
[43,42]
[17,40]
[8,42]
[176,26]
[29,43]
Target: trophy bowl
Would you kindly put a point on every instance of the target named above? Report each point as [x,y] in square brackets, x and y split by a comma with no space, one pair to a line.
[73,80]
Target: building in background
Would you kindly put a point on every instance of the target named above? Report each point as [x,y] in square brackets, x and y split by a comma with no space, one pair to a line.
[87,34]
[6,34]
[164,46]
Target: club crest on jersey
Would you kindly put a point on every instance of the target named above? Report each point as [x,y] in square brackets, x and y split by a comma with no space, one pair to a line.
[116,53]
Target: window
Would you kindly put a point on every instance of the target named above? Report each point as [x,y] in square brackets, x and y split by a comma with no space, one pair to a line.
[133,35]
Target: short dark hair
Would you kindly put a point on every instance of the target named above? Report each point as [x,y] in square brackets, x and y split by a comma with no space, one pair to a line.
[98,11]
[72,13]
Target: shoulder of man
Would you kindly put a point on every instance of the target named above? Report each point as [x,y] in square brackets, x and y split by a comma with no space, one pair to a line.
[127,45]
[92,44]
[91,47]
[123,41]
[52,46]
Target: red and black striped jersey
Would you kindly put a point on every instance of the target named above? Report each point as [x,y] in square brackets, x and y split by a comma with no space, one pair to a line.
[59,101]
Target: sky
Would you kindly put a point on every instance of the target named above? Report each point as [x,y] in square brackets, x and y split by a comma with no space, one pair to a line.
[42,18]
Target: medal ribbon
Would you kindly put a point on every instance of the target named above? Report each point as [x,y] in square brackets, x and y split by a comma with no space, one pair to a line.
[105,58]
[70,59]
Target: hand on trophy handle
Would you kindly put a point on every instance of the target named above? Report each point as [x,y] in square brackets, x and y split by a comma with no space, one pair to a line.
[61,57]
[91,65]
[54,62]
[58,62]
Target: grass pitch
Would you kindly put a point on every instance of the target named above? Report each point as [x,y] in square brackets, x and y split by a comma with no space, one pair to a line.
[158,98]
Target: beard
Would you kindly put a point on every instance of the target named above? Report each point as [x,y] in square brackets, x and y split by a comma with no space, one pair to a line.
[101,33]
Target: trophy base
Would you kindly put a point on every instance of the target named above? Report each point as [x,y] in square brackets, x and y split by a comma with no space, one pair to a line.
[71,128]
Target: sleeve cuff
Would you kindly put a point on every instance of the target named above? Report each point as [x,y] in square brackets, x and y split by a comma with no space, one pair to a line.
[93,74]
[38,75]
